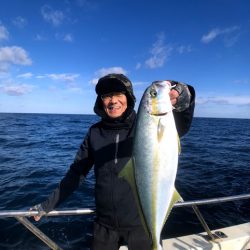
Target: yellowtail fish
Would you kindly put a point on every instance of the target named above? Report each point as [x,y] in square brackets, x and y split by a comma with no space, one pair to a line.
[152,169]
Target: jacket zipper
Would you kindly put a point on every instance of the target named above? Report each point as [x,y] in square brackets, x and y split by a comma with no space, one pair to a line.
[117,138]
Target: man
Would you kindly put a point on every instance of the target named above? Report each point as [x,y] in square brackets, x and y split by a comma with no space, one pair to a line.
[108,146]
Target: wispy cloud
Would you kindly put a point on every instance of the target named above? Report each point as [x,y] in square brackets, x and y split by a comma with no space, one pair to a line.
[13,55]
[25,75]
[88,4]
[229,35]
[64,37]
[241,81]
[55,17]
[16,89]
[39,37]
[182,49]
[68,38]
[225,100]
[159,53]
[104,71]
[19,22]
[138,66]
[4,34]
[67,78]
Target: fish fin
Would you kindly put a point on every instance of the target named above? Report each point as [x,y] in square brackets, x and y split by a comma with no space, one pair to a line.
[160,130]
[176,197]
[157,246]
[179,144]
[128,174]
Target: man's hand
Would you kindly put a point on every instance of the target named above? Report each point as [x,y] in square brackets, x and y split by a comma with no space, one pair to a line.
[40,211]
[173,96]
[180,96]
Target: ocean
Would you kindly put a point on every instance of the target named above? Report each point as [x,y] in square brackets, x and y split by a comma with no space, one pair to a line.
[37,149]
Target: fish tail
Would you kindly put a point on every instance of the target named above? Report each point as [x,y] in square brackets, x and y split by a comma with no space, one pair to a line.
[157,247]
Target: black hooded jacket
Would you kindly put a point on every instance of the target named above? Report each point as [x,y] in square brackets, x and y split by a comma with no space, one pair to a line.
[108,147]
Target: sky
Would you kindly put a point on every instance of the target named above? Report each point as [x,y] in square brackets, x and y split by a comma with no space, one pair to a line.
[53,52]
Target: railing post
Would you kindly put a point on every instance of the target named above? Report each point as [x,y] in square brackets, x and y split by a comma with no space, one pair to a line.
[38,233]
[203,222]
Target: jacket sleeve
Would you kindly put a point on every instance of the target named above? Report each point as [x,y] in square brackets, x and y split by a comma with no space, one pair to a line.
[184,118]
[75,175]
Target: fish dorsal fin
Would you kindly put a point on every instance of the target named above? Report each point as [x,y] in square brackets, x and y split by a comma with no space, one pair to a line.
[128,174]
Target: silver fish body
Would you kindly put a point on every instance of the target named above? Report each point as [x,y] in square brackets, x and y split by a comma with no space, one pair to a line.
[155,159]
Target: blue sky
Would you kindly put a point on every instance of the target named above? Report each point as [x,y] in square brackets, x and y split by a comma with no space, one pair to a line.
[53,52]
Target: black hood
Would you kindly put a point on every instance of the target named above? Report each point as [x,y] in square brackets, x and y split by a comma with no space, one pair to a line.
[113,83]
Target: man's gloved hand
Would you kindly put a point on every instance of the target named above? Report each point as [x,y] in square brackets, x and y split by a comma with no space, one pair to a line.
[40,211]
[180,96]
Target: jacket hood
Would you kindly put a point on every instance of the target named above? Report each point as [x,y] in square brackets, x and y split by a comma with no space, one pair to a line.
[113,83]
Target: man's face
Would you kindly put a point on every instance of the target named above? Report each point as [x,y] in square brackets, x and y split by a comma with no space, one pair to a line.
[114,104]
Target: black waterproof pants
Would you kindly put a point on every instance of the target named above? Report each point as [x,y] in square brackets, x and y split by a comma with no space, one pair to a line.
[107,239]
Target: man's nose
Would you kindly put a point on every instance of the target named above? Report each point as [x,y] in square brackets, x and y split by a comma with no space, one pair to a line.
[113,99]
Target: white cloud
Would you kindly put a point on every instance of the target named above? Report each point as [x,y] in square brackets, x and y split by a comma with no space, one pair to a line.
[20,22]
[63,77]
[226,100]
[64,37]
[138,66]
[40,37]
[104,71]
[68,38]
[140,83]
[76,90]
[16,89]
[159,53]
[210,36]
[55,17]
[214,33]
[13,55]
[241,81]
[184,49]
[4,34]
[3,68]
[25,75]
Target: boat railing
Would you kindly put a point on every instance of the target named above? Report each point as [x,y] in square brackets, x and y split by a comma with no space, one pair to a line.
[20,215]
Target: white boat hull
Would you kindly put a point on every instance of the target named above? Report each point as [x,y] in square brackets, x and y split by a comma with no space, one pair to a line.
[238,238]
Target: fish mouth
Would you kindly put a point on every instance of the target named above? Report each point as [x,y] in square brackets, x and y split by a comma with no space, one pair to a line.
[159,114]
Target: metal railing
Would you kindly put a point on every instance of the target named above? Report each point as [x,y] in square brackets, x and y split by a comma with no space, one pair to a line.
[20,215]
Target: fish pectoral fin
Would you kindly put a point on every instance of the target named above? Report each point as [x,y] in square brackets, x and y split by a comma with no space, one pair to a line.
[160,129]
[128,174]
[179,144]
[176,197]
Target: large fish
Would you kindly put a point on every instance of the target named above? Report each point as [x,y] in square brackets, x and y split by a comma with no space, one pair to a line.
[152,169]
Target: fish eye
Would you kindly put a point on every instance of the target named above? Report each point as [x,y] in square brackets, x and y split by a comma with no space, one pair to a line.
[153,93]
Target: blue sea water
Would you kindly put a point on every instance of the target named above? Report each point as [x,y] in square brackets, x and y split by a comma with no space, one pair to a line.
[37,149]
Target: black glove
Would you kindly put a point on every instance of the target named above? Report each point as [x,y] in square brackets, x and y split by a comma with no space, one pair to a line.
[183,101]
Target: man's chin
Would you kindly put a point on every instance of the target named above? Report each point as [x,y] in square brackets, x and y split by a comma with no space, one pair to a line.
[114,114]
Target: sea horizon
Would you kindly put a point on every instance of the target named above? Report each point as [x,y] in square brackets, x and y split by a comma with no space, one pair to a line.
[37,113]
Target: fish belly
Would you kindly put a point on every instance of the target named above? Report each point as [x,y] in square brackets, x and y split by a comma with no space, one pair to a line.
[156,166]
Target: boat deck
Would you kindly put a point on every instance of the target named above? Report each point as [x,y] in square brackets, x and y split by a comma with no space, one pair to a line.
[236,238]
